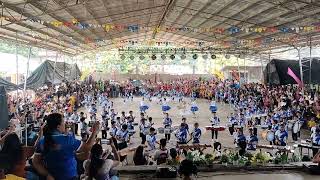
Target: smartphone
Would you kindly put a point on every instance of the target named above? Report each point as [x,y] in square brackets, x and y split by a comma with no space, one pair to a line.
[105,141]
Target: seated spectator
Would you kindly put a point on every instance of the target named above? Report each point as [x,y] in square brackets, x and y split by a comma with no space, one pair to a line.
[174,160]
[139,157]
[99,166]
[187,169]
[55,156]
[14,157]
[161,155]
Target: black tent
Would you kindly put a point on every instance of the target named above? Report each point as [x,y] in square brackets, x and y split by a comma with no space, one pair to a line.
[7,85]
[49,72]
[276,72]
[4,115]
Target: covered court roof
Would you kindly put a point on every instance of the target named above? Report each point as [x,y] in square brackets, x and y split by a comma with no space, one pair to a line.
[76,26]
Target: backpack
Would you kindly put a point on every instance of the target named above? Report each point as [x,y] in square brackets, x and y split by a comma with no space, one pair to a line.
[162,157]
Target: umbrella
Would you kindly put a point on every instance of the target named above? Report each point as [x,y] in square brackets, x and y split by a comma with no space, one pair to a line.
[4,115]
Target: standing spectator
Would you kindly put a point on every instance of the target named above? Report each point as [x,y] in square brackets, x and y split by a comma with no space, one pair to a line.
[161,155]
[58,151]
[99,166]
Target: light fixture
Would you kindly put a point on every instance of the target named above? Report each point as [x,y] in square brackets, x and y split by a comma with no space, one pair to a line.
[195,56]
[172,57]
[153,57]
[213,56]
[163,57]
[183,56]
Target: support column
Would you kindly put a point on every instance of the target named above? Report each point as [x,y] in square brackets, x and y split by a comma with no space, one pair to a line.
[24,92]
[310,66]
[17,64]
[301,71]
[239,71]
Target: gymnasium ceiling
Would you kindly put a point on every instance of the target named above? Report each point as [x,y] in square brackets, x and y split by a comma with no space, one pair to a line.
[33,22]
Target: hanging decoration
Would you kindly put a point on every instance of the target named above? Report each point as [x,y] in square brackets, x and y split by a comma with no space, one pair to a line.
[195,56]
[205,56]
[122,56]
[163,56]
[227,56]
[153,57]
[213,56]
[172,57]
[141,57]
[134,28]
[183,56]
[132,57]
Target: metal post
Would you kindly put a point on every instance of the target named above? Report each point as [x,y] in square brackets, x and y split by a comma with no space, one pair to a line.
[17,64]
[24,91]
[261,69]
[301,72]
[239,71]
[54,68]
[245,71]
[310,74]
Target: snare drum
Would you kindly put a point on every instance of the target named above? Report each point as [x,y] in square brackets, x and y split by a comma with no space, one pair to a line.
[167,131]
[131,132]
[264,126]
[135,124]
[161,130]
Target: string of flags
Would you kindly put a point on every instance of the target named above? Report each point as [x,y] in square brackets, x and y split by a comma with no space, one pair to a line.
[137,28]
[218,43]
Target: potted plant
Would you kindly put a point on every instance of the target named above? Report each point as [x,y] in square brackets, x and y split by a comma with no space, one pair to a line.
[224,159]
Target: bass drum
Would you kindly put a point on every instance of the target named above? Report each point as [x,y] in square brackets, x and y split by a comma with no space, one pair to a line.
[270,136]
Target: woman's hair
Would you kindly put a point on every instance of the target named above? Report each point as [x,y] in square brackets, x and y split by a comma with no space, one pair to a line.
[53,121]
[163,143]
[12,149]
[187,168]
[173,153]
[138,155]
[96,161]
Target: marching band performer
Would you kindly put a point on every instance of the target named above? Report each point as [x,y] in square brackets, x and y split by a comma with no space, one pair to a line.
[252,140]
[167,122]
[215,121]
[240,140]
[232,122]
[143,107]
[113,133]
[194,107]
[316,141]
[242,120]
[182,135]
[213,106]
[93,112]
[130,120]
[281,136]
[144,128]
[113,115]
[122,137]
[165,106]
[196,134]
[151,139]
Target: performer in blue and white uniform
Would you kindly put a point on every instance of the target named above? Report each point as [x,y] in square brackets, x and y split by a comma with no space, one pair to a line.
[151,139]
[194,107]
[196,134]
[242,120]
[165,106]
[143,107]
[213,106]
[182,135]
[252,140]
[232,122]
[167,122]
[215,121]
[93,112]
[281,136]
[316,141]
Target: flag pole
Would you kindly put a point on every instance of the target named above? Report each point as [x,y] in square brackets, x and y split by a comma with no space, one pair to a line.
[301,71]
